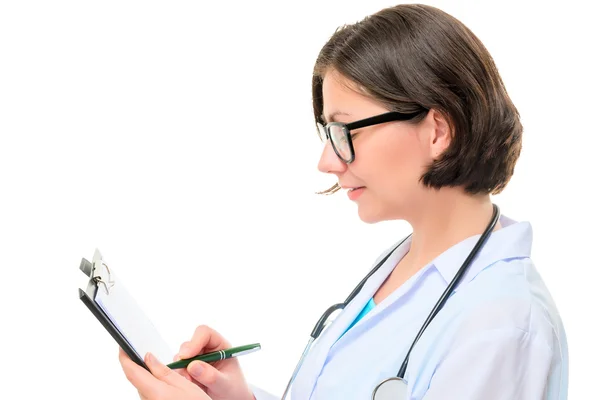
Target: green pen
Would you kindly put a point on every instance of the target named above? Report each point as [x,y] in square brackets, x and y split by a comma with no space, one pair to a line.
[217,355]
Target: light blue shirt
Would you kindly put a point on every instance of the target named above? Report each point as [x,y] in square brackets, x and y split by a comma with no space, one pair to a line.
[498,337]
[370,305]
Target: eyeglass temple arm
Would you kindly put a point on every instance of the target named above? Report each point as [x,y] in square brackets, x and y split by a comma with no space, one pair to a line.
[383,118]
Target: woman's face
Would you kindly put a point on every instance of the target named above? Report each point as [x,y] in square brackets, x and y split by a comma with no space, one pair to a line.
[389,160]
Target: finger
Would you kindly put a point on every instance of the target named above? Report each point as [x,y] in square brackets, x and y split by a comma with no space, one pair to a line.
[183,347]
[204,339]
[164,373]
[182,371]
[144,382]
[142,397]
[208,376]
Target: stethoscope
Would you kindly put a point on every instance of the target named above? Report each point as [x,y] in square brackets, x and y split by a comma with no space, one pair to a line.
[395,388]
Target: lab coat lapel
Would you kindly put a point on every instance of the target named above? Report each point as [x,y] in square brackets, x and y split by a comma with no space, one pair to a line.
[347,316]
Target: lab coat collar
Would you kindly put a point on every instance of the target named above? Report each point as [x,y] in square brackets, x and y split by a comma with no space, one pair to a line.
[355,306]
[513,240]
[316,361]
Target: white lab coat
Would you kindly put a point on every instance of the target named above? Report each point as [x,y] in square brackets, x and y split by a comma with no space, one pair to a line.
[499,336]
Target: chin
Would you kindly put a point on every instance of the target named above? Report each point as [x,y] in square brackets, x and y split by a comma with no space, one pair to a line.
[370,215]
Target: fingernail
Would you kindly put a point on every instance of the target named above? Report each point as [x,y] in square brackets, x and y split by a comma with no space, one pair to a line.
[150,358]
[195,368]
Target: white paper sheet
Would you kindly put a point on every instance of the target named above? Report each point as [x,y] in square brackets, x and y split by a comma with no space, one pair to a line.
[130,320]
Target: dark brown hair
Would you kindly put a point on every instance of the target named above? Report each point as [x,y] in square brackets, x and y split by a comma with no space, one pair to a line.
[414,57]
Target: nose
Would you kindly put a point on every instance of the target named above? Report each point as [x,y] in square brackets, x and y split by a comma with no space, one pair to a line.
[329,163]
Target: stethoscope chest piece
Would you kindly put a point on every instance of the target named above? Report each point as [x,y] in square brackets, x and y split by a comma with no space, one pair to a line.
[391,389]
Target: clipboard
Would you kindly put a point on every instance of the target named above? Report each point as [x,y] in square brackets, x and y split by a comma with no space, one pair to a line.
[108,300]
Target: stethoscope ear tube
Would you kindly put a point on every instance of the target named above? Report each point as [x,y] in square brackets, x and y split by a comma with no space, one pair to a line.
[399,384]
[321,323]
[446,295]
[359,287]
[293,378]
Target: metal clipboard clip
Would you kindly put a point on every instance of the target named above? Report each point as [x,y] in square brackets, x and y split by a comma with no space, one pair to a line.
[98,272]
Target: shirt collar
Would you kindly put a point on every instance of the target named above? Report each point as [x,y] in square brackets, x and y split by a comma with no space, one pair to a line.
[513,240]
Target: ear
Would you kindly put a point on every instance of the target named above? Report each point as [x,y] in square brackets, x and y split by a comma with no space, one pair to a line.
[440,134]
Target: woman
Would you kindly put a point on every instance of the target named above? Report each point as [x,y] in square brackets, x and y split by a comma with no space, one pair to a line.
[418,127]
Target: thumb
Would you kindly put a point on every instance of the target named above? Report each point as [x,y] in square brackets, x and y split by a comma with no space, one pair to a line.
[207,375]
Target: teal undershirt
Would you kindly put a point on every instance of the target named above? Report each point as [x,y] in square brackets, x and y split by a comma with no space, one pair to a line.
[370,305]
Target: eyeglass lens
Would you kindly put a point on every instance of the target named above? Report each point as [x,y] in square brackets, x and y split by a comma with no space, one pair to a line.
[339,140]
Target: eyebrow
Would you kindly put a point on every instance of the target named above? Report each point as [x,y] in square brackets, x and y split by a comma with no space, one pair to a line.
[332,116]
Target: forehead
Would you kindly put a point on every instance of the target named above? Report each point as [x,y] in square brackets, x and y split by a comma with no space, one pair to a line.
[342,96]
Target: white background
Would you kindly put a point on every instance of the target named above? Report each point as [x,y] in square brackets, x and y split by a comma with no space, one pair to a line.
[177,137]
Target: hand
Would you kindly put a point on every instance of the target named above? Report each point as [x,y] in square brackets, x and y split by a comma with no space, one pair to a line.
[222,380]
[162,384]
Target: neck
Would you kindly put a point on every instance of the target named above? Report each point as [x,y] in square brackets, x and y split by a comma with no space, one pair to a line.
[443,220]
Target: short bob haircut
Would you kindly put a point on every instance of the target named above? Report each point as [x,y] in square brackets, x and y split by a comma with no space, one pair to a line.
[414,57]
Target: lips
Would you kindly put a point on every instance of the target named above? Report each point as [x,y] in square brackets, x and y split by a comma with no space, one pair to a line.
[351,187]
[355,192]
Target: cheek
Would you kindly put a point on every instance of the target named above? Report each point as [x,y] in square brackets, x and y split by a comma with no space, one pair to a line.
[392,163]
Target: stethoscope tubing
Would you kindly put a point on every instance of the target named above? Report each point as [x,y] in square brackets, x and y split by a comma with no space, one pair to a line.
[321,323]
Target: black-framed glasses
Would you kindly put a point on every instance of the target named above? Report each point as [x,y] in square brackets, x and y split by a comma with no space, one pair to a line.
[341,139]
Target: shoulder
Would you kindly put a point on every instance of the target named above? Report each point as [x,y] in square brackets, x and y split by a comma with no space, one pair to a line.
[509,296]
[501,326]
